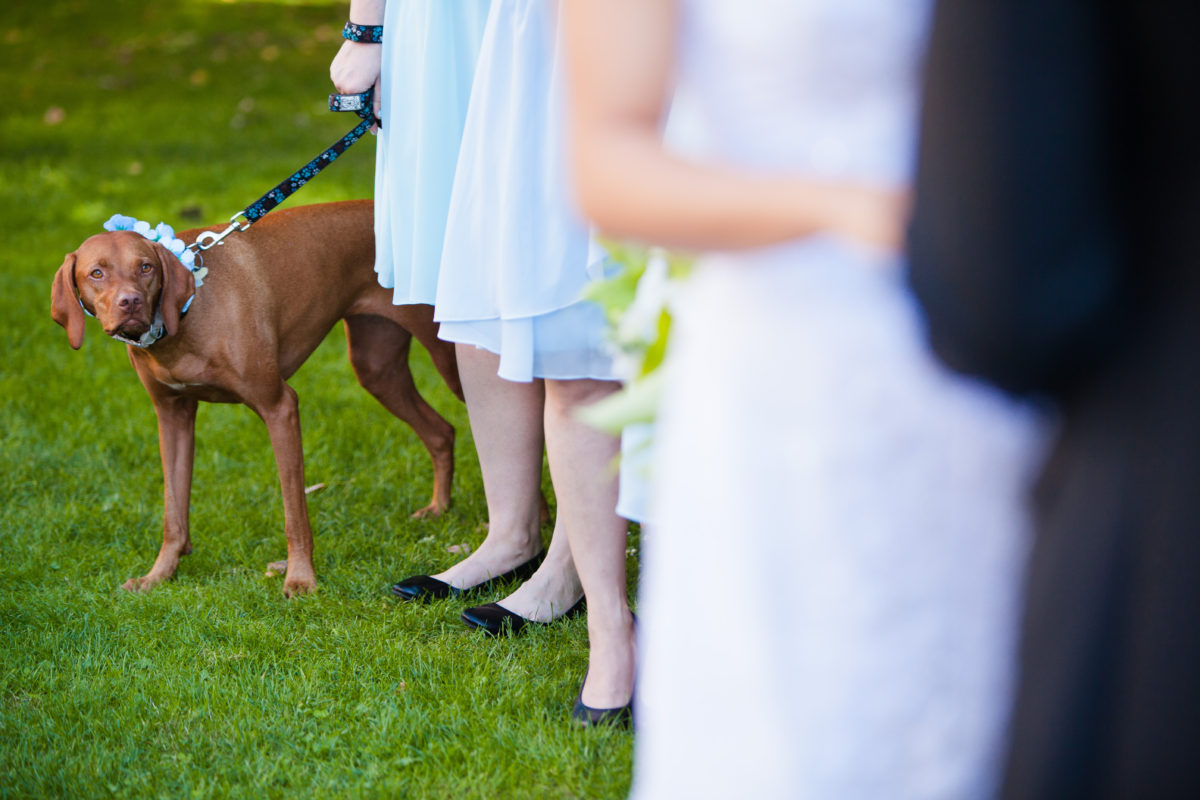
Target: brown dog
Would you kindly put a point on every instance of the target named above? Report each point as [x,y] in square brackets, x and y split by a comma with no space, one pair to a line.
[270,296]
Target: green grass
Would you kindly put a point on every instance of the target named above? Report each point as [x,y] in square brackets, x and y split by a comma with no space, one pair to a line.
[214,685]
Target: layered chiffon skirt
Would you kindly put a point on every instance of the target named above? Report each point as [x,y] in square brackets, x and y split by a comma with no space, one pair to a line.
[517,257]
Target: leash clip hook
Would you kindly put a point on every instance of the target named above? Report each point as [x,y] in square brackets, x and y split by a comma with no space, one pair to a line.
[208,239]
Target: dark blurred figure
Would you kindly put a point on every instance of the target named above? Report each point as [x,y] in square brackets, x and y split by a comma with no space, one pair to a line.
[1056,248]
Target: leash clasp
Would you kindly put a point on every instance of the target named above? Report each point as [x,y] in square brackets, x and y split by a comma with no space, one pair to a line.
[209,239]
[362,104]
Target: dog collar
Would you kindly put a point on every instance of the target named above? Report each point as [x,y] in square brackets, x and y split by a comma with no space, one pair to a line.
[157,329]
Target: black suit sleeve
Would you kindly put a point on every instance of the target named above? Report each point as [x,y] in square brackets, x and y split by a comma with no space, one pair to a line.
[1014,250]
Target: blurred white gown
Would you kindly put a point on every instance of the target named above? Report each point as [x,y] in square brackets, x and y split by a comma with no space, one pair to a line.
[829,593]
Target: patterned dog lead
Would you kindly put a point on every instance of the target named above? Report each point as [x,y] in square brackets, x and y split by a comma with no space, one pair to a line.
[361,104]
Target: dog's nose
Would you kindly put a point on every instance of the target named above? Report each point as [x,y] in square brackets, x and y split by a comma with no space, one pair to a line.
[129,301]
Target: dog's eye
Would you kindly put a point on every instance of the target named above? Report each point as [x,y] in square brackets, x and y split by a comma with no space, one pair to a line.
[96,273]
[146,267]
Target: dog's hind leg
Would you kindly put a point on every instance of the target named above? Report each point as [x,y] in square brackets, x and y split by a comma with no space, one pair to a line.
[176,444]
[417,319]
[379,351]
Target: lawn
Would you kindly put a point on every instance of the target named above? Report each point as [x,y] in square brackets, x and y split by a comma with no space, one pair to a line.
[214,685]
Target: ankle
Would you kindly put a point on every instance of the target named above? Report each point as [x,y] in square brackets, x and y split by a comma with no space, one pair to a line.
[512,540]
[508,550]
[610,621]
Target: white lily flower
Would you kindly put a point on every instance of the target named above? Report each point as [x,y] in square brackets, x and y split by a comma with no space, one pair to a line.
[626,365]
[639,323]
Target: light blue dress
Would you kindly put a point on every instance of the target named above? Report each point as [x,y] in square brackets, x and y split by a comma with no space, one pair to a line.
[517,256]
[429,53]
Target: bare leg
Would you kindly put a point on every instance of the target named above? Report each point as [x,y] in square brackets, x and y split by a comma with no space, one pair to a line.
[581,467]
[506,420]
[554,588]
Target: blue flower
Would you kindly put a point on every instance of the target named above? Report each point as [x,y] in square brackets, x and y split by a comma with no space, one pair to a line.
[143,227]
[119,222]
[165,232]
[189,260]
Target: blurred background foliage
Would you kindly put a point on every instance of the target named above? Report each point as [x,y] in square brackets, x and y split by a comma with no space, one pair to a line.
[123,102]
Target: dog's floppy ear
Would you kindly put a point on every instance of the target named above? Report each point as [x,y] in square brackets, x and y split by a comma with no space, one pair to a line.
[178,286]
[64,304]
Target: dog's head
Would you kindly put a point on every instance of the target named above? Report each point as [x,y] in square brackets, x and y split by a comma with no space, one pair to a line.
[123,279]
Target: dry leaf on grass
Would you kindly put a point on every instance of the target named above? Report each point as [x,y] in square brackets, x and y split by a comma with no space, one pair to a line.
[463,548]
[316,487]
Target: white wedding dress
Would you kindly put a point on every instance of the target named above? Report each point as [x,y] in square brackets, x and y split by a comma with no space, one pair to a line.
[830,586]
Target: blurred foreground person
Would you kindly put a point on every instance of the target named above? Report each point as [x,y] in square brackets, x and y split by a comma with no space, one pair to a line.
[828,602]
[1056,248]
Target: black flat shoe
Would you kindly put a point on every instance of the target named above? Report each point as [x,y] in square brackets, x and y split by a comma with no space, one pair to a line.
[588,717]
[425,588]
[492,618]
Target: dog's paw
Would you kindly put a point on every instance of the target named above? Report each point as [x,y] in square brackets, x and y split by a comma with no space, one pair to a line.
[140,585]
[294,587]
[430,511]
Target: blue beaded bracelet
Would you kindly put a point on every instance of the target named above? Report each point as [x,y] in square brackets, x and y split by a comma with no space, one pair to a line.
[365,34]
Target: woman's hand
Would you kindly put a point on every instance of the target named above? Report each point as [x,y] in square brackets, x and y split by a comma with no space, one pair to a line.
[356,68]
[872,216]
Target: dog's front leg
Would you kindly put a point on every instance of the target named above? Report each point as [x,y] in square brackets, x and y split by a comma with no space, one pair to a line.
[282,417]
[176,444]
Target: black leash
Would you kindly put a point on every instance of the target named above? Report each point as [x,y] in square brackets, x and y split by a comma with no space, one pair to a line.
[361,104]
